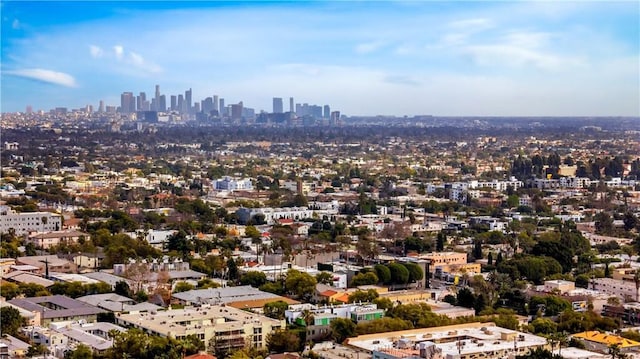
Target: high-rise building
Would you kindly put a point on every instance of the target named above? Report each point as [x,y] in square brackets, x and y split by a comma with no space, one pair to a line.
[174,103]
[187,99]
[277,105]
[163,103]
[127,102]
[216,104]
[291,104]
[181,103]
[157,98]
[101,106]
[236,111]
[207,105]
[223,110]
[327,112]
[335,117]
[140,100]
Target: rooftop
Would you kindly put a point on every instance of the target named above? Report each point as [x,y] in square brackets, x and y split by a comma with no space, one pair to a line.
[607,339]
[56,306]
[453,339]
[189,320]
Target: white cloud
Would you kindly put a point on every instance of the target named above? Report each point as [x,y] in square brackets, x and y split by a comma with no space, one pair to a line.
[139,61]
[48,76]
[118,50]
[514,56]
[528,39]
[368,47]
[523,48]
[467,25]
[15,24]
[96,51]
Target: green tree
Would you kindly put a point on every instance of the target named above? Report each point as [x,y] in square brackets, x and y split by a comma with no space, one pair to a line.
[300,284]
[363,296]
[252,232]
[542,326]
[415,272]
[383,272]
[324,278]
[342,328]
[122,288]
[9,290]
[253,278]
[465,298]
[441,239]
[275,310]
[604,223]
[183,287]
[10,320]
[367,278]
[80,352]
[282,340]
[399,273]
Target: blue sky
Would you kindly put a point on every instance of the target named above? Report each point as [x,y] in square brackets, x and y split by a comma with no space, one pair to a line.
[363,58]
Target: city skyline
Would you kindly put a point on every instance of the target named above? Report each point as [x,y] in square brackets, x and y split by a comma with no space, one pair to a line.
[380,58]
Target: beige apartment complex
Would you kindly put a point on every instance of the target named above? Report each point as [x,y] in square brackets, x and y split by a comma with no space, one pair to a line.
[221,327]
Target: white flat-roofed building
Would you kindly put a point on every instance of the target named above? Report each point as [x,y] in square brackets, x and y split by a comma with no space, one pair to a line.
[94,335]
[25,222]
[271,215]
[233,184]
[230,328]
[463,341]
[155,238]
[563,286]
[625,290]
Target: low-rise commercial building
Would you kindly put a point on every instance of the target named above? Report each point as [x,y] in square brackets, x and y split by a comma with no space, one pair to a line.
[464,341]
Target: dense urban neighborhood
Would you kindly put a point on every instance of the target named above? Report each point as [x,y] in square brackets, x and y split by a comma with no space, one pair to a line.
[349,237]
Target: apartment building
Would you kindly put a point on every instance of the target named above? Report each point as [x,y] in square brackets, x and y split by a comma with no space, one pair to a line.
[224,327]
[26,222]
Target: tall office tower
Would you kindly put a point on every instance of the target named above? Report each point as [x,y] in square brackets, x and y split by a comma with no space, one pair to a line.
[174,102]
[140,100]
[127,102]
[207,105]
[236,111]
[327,112]
[216,104]
[89,109]
[187,98]
[196,107]
[335,117]
[101,106]
[152,107]
[223,110]
[157,98]
[180,103]
[291,104]
[277,105]
[298,109]
[163,103]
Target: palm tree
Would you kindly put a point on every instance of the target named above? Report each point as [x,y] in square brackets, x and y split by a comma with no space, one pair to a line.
[308,317]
